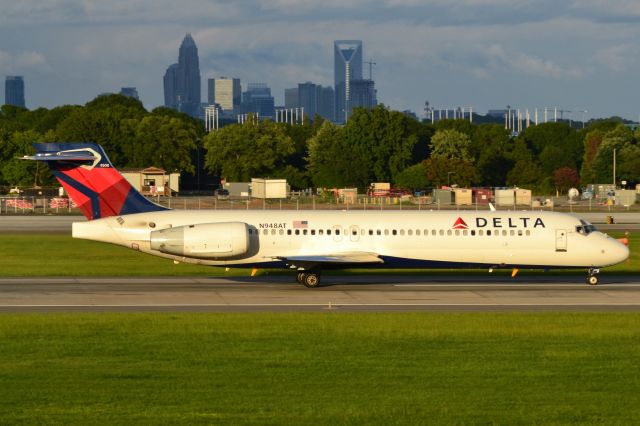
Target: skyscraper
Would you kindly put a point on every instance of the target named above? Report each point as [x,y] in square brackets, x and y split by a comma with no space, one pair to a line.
[182,80]
[291,98]
[131,92]
[307,98]
[14,90]
[326,102]
[226,92]
[363,94]
[258,99]
[347,67]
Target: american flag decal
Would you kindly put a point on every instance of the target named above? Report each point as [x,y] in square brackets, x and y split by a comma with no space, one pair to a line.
[300,223]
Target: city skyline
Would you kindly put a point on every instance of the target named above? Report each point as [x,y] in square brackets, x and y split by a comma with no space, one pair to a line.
[577,55]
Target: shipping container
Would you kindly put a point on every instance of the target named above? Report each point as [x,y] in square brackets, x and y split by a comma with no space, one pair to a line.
[523,197]
[442,196]
[463,197]
[268,188]
[482,195]
[505,197]
[625,197]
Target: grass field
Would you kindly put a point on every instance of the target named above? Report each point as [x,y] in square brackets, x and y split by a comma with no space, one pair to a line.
[324,368]
[60,255]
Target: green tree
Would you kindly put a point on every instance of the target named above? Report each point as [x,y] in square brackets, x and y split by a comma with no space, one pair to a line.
[454,171]
[326,162]
[164,142]
[602,164]
[17,172]
[413,177]
[240,152]
[451,144]
[490,146]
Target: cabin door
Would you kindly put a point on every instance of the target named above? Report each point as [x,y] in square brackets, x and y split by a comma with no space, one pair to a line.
[561,240]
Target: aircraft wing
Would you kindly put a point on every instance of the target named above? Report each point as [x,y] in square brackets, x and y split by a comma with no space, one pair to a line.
[347,258]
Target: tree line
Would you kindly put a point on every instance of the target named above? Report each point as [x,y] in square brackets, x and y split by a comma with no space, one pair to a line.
[377,145]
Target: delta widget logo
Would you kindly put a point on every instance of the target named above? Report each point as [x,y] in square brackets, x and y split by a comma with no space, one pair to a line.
[460,224]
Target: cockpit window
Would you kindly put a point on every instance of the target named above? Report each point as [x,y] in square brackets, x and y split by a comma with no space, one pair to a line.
[585,228]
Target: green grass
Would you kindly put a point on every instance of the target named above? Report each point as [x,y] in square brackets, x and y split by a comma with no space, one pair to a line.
[324,368]
[61,255]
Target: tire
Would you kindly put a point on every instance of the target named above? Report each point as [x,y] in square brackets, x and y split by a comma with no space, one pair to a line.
[311,280]
[300,277]
[593,280]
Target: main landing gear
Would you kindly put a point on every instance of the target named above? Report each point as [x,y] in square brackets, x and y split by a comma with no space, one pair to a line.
[593,278]
[309,279]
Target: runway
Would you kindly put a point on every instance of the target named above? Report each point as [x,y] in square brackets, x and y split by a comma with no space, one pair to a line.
[340,294]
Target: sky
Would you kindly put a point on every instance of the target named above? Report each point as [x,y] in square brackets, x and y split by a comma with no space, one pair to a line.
[575,55]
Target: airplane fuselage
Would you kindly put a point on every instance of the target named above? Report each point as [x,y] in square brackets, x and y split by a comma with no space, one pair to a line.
[523,239]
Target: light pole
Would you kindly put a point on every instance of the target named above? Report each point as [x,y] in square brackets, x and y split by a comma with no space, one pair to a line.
[448,179]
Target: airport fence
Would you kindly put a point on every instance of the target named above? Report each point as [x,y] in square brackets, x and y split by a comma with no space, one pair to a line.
[65,206]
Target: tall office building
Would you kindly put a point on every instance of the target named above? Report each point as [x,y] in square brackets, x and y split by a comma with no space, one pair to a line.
[326,102]
[14,90]
[182,80]
[258,99]
[363,94]
[308,98]
[226,92]
[291,98]
[347,67]
[131,92]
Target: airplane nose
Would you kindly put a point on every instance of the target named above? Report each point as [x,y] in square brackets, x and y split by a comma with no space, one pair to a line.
[618,252]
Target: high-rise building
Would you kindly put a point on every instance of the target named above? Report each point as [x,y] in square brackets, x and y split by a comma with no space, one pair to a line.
[226,92]
[308,98]
[291,98]
[182,80]
[347,67]
[326,102]
[258,99]
[131,92]
[14,90]
[363,94]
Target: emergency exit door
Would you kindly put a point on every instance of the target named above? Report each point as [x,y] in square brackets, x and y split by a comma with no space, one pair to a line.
[561,240]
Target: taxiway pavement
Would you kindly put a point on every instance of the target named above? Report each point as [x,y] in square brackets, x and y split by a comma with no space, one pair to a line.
[364,293]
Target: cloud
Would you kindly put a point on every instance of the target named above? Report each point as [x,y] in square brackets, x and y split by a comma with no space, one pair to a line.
[15,63]
[617,58]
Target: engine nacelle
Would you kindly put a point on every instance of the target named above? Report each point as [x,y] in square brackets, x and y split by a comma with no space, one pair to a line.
[203,240]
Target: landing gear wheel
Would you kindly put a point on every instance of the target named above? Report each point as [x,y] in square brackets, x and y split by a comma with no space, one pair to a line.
[300,277]
[311,280]
[593,276]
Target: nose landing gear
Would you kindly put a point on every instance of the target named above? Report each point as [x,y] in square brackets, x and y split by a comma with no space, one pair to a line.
[593,278]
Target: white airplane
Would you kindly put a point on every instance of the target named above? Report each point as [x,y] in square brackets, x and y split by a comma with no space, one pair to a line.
[312,241]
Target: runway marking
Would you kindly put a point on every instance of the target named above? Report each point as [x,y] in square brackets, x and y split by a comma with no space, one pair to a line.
[335,305]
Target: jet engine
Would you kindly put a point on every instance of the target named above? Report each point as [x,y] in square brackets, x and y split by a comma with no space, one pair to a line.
[203,240]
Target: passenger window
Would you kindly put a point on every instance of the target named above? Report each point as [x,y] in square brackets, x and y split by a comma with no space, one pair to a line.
[441,232]
[370,231]
[320,231]
[410,232]
[402,232]
[304,232]
[354,232]
[520,232]
[394,232]
[512,232]
[449,232]
[473,232]
[418,232]
[337,232]
[265,232]
[328,231]
[488,232]
[528,233]
[504,232]
[378,232]
[457,232]
[297,232]
[313,232]
[481,232]
[465,232]
[281,231]
[386,232]
[433,232]
[273,232]
[288,231]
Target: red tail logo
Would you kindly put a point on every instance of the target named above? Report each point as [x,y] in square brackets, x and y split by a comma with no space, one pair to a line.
[460,224]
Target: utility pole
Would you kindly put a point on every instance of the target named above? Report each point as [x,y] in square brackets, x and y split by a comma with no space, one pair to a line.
[371,64]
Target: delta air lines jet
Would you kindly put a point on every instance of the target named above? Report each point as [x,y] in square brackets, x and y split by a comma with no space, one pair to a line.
[312,241]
